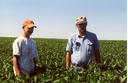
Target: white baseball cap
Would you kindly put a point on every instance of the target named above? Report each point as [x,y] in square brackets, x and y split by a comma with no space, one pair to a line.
[81,20]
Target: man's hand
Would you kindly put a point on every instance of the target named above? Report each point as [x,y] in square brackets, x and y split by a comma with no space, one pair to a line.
[68,60]
[35,65]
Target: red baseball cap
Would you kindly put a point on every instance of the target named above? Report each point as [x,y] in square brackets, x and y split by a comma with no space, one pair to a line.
[28,23]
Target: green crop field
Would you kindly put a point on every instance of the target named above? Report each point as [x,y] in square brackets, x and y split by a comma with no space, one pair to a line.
[52,52]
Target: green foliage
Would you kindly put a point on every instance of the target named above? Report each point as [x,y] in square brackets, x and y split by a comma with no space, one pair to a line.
[52,56]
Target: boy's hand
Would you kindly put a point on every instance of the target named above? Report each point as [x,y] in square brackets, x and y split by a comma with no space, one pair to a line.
[18,72]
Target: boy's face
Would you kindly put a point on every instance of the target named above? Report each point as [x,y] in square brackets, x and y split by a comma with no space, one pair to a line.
[28,30]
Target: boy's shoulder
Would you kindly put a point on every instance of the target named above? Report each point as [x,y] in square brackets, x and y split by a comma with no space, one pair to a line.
[19,39]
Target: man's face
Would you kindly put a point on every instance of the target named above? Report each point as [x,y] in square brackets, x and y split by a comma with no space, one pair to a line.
[28,30]
[82,27]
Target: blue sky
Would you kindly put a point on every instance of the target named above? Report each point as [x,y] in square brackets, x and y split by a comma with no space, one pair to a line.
[56,18]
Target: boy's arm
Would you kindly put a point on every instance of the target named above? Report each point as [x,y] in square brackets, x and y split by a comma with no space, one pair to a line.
[16,64]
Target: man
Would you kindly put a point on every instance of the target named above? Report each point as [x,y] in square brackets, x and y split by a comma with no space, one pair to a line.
[82,46]
[24,50]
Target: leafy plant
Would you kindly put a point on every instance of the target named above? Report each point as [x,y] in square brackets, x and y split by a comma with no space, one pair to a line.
[52,57]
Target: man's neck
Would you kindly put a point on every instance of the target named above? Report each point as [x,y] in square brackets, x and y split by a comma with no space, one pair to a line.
[82,34]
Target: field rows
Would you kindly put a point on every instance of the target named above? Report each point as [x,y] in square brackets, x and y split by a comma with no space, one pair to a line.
[52,58]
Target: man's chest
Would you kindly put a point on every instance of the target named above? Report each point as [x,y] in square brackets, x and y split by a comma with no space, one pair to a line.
[80,44]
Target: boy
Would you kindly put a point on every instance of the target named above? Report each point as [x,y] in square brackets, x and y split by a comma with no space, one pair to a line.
[24,50]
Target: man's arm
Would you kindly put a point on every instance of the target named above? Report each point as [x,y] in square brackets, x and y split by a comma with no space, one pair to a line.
[97,55]
[68,60]
[16,64]
[35,63]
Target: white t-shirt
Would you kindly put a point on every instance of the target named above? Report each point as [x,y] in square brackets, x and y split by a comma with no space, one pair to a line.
[27,51]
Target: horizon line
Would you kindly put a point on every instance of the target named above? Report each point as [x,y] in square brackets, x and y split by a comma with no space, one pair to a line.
[60,38]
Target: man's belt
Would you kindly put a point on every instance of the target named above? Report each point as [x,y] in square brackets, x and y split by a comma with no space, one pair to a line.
[80,65]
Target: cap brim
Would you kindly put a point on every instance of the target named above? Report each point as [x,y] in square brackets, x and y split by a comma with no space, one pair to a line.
[31,26]
[81,22]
